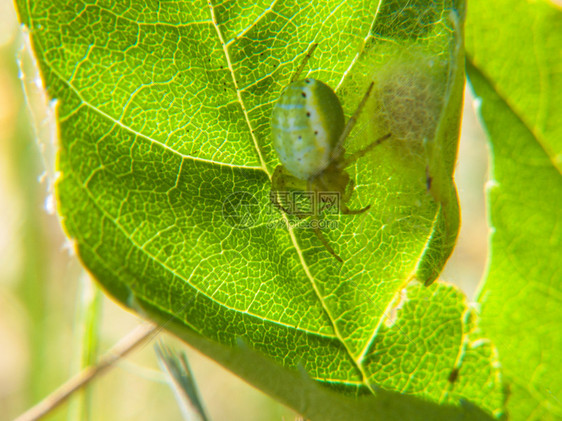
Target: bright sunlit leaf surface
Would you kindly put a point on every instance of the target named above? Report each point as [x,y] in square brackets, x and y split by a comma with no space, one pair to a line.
[517,76]
[165,171]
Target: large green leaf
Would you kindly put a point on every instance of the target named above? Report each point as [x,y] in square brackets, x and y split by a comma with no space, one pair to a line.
[165,167]
[516,45]
[517,77]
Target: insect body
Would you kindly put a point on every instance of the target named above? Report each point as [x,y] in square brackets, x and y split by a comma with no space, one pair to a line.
[306,124]
[308,130]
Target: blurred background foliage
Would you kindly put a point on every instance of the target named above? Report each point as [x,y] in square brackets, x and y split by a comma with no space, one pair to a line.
[54,320]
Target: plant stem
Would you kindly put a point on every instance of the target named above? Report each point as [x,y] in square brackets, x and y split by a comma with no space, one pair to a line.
[136,337]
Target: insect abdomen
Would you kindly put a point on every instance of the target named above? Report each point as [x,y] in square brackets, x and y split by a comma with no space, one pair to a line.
[307,122]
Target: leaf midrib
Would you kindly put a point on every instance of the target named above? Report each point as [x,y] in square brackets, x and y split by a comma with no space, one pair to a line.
[238,92]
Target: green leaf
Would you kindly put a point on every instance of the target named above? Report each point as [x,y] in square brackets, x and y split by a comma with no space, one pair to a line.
[182,382]
[516,45]
[517,78]
[165,170]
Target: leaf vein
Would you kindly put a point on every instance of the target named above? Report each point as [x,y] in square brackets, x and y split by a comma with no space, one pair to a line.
[238,91]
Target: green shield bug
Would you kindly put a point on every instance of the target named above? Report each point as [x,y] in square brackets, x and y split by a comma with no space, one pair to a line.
[308,130]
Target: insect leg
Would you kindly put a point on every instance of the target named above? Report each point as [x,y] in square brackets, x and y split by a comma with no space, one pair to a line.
[347,195]
[284,185]
[351,123]
[345,210]
[315,223]
[348,191]
[278,185]
[303,63]
[356,155]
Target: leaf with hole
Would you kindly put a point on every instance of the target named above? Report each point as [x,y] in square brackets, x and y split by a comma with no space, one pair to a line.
[166,160]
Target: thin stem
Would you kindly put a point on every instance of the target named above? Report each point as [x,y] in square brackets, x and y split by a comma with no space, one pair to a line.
[135,338]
